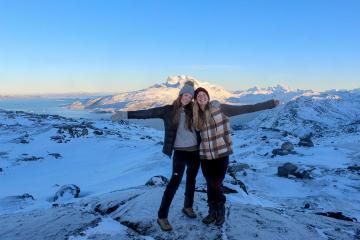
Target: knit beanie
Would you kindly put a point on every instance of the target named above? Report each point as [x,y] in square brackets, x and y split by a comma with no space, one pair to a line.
[200,89]
[187,88]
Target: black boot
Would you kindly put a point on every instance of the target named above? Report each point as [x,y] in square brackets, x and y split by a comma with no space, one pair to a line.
[211,217]
[220,214]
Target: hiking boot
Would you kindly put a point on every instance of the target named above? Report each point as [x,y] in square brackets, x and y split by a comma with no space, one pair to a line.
[189,212]
[164,224]
[220,214]
[211,217]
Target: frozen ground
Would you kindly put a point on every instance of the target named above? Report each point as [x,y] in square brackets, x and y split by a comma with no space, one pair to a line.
[111,162]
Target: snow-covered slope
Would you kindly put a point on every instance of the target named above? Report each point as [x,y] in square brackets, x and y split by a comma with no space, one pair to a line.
[111,162]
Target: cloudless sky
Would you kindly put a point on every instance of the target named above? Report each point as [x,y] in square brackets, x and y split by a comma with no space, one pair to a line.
[112,46]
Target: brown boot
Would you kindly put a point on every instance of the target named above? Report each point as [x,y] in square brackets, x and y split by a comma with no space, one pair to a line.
[189,212]
[164,224]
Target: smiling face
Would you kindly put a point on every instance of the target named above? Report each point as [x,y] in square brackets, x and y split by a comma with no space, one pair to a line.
[186,99]
[202,99]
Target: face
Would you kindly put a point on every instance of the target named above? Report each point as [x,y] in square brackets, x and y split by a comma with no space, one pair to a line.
[186,99]
[202,99]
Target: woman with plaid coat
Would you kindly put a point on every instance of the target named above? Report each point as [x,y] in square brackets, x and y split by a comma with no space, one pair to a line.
[216,146]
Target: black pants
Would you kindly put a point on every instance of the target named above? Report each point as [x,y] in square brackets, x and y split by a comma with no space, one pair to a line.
[181,160]
[214,172]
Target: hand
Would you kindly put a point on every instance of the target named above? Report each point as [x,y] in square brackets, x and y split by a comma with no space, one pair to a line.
[272,103]
[276,102]
[215,104]
[119,115]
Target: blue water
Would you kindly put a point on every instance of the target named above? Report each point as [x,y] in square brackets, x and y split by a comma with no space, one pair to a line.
[49,106]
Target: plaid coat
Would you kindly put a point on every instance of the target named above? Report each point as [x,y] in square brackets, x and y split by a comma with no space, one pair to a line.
[215,136]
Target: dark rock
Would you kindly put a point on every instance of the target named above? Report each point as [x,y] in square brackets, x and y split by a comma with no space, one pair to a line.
[98,132]
[73,131]
[58,139]
[306,141]
[337,215]
[287,146]
[55,155]
[354,168]
[237,167]
[139,227]
[24,141]
[69,189]
[281,152]
[1,170]
[157,181]
[241,184]
[145,137]
[106,211]
[32,158]
[307,205]
[287,169]
[291,169]
[228,190]
[84,132]
[25,196]
[305,174]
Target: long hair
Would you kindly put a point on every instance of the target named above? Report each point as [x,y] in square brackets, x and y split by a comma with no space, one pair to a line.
[188,109]
[201,117]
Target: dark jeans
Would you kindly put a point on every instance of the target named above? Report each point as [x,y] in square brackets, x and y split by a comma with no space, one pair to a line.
[214,172]
[181,159]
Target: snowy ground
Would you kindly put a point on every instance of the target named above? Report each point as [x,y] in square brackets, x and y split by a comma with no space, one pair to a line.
[111,162]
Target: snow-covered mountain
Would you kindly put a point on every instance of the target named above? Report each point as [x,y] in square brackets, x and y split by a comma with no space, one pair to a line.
[165,93]
[156,95]
[253,95]
[324,113]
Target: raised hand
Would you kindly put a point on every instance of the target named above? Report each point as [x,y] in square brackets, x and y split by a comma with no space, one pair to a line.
[215,104]
[276,102]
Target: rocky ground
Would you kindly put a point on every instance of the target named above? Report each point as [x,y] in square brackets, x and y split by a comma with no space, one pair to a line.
[63,178]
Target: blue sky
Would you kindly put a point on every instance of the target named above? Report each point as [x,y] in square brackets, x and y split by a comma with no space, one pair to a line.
[111,46]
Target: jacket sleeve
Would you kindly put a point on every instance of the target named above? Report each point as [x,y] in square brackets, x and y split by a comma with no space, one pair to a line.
[158,112]
[233,110]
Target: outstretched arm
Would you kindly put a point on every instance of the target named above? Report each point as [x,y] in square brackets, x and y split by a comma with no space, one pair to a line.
[157,112]
[233,110]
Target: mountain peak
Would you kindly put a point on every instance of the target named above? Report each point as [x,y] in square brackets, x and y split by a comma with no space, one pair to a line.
[179,80]
[281,88]
[275,89]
